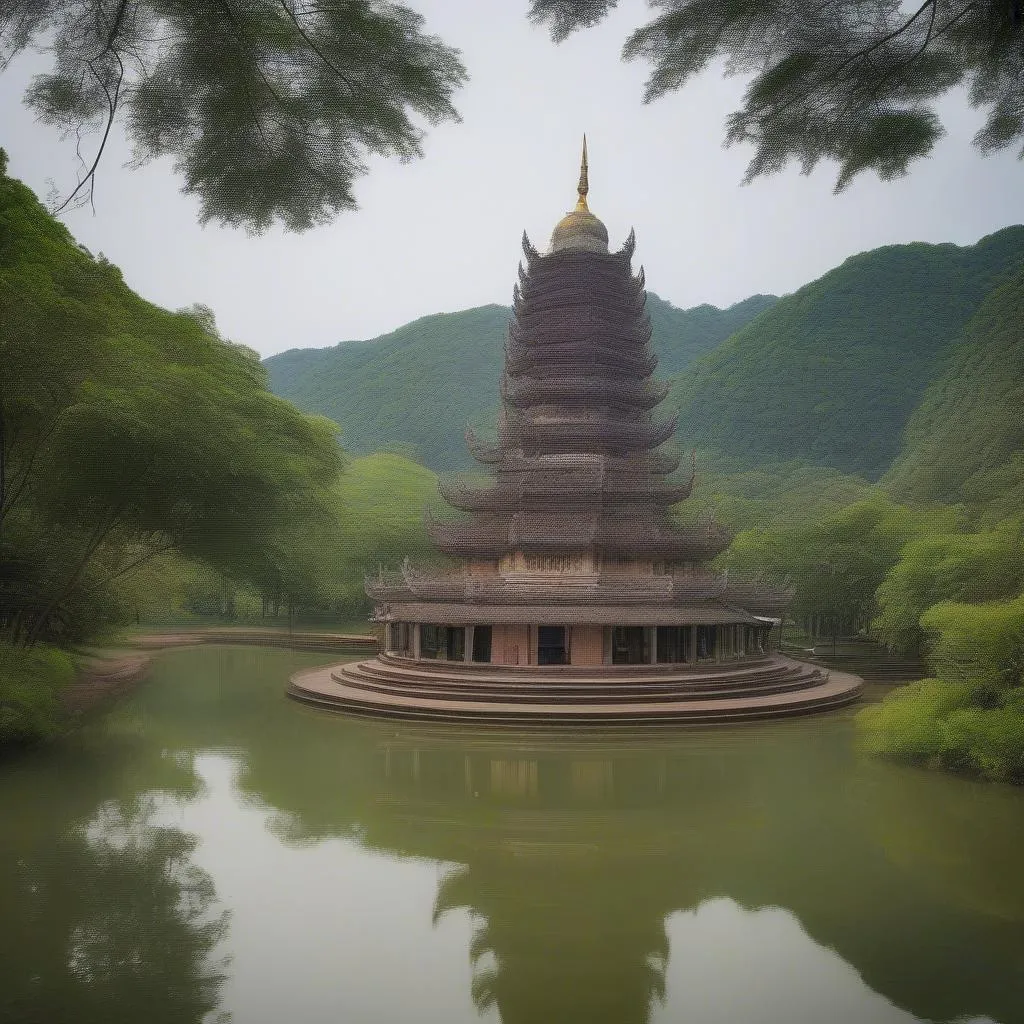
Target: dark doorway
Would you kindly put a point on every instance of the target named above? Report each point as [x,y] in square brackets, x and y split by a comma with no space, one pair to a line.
[629,645]
[551,646]
[706,637]
[482,643]
[673,644]
[455,643]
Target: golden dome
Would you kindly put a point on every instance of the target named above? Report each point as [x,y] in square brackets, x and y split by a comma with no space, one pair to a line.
[580,229]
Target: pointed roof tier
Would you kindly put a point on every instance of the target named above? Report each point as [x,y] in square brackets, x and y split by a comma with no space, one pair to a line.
[578,465]
[576,462]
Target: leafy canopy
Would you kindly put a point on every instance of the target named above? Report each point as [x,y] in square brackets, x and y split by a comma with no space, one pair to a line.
[269,108]
[126,430]
[855,82]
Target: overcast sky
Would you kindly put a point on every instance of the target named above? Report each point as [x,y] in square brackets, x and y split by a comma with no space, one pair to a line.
[442,233]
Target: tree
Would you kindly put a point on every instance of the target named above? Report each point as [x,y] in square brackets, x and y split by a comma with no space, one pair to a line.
[127,430]
[964,567]
[854,82]
[837,563]
[268,107]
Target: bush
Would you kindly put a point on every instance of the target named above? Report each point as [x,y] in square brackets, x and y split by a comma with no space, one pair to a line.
[30,683]
[909,723]
[982,644]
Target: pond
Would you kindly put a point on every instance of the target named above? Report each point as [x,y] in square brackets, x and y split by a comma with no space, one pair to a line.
[205,850]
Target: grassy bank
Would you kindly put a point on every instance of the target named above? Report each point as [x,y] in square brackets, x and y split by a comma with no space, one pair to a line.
[31,683]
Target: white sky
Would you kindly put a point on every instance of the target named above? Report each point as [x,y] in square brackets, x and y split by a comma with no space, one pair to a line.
[442,233]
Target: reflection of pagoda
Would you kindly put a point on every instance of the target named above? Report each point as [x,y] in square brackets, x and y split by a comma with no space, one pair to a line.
[576,596]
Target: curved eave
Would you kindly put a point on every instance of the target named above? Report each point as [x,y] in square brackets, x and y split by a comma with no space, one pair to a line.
[709,613]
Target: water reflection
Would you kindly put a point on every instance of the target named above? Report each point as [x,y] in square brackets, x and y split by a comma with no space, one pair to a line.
[105,917]
[574,854]
[381,872]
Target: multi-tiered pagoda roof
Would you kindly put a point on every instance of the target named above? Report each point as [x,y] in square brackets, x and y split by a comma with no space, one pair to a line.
[577,467]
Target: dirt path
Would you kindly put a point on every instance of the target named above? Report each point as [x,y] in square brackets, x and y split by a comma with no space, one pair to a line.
[103,676]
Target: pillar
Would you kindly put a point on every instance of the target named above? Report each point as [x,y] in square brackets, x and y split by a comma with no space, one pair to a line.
[653,644]
[467,645]
[416,641]
[692,658]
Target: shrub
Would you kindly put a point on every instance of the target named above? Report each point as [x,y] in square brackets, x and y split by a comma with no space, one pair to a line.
[909,723]
[30,683]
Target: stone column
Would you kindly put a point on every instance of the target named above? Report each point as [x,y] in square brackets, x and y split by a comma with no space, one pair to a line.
[693,645]
[467,654]
[654,644]
[416,641]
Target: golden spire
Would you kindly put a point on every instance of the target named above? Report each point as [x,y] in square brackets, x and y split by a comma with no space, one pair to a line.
[584,186]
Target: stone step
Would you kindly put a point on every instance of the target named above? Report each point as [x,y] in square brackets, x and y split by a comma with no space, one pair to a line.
[318,689]
[711,668]
[357,676]
[527,695]
[613,676]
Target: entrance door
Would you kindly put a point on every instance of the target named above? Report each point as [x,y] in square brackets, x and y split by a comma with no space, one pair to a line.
[629,645]
[482,643]
[551,649]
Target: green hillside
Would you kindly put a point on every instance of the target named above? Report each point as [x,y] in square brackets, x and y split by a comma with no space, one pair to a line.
[831,374]
[383,500]
[965,442]
[417,387]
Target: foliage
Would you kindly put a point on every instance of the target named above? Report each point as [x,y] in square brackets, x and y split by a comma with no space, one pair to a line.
[961,567]
[971,718]
[379,502]
[965,439]
[30,685]
[836,563]
[856,82]
[772,495]
[383,499]
[126,430]
[269,110]
[418,387]
[980,644]
[831,374]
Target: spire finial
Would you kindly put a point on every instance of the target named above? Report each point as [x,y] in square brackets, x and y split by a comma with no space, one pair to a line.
[584,186]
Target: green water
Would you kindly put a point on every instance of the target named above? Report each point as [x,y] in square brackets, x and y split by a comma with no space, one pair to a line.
[206,850]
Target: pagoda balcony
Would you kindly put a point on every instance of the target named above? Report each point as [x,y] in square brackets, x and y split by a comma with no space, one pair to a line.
[590,435]
[524,589]
[655,463]
[632,335]
[550,279]
[587,487]
[524,392]
[546,532]
[577,357]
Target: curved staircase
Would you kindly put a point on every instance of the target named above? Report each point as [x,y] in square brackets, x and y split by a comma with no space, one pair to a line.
[392,687]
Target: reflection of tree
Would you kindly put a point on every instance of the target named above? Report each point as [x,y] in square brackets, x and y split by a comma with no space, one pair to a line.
[113,921]
[571,851]
[106,919]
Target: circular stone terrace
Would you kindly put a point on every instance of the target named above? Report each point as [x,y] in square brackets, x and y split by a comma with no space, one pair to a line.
[621,695]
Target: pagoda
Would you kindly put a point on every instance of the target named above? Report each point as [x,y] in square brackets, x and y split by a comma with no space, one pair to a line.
[575,595]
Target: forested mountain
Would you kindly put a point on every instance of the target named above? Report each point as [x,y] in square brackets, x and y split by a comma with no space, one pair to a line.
[418,387]
[831,374]
[965,441]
